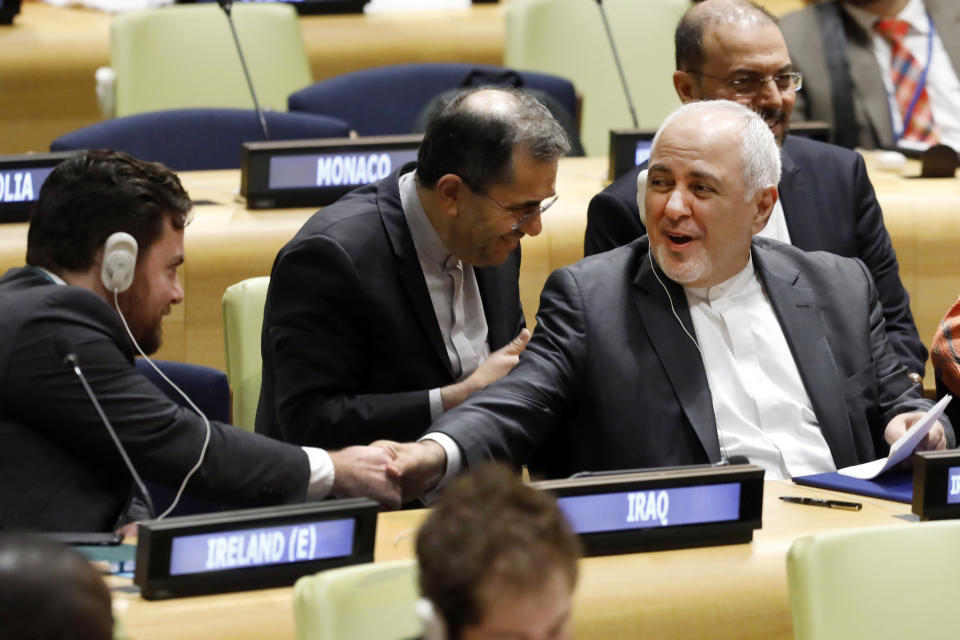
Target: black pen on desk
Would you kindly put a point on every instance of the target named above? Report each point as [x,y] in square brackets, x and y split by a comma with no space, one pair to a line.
[830,504]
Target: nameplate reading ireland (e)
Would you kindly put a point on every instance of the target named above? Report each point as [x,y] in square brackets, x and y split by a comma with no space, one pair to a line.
[252,548]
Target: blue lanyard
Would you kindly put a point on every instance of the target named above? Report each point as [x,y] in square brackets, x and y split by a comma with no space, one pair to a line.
[921,84]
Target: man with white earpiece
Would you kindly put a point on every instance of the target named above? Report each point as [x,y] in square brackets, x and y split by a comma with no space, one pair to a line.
[78,423]
[697,343]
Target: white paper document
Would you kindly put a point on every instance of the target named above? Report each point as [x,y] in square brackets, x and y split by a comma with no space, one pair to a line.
[902,448]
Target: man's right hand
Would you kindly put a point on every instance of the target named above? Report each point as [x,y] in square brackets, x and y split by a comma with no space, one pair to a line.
[492,369]
[371,472]
[421,465]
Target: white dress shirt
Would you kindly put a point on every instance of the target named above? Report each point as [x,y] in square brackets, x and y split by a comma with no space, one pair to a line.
[943,86]
[761,407]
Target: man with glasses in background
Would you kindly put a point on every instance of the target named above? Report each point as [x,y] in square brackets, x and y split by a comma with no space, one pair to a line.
[733,50]
[397,302]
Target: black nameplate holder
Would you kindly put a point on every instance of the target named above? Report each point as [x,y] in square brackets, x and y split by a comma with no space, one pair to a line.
[936,484]
[308,7]
[628,149]
[662,509]
[252,548]
[21,177]
[308,173]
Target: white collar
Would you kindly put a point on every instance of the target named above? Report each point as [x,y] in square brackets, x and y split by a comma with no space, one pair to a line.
[914,14]
[731,286]
[51,275]
[425,237]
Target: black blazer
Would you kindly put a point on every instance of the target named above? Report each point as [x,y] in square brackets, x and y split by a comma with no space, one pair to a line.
[350,343]
[829,205]
[611,375]
[59,469]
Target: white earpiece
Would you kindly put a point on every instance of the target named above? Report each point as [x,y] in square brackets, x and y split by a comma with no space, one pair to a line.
[642,196]
[434,627]
[119,262]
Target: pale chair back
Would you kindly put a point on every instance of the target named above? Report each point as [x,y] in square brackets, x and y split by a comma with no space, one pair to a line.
[243,304]
[364,602]
[567,37]
[185,56]
[891,582]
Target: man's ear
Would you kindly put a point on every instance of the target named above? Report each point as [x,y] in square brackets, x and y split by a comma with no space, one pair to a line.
[686,87]
[765,200]
[449,190]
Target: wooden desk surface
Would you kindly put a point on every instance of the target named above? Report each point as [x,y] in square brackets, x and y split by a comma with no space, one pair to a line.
[49,55]
[735,591]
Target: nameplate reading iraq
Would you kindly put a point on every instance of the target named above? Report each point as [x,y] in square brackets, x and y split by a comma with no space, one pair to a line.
[655,508]
[630,511]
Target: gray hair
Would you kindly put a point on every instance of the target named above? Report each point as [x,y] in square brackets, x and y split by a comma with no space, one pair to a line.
[760,163]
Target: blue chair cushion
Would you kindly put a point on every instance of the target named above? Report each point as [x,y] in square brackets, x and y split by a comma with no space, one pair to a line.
[387,100]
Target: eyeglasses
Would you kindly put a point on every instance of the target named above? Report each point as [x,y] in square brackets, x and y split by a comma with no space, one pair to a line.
[522,213]
[746,84]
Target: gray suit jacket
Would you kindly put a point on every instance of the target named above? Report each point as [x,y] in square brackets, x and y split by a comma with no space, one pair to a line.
[611,381]
[805,41]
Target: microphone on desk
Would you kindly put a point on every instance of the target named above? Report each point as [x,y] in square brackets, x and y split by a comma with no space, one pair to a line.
[616,60]
[227,6]
[70,359]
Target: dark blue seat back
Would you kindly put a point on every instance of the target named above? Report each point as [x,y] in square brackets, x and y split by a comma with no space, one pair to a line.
[387,100]
[206,386]
[196,139]
[210,391]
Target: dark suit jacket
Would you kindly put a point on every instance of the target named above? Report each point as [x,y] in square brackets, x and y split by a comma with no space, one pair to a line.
[829,205]
[351,343]
[871,108]
[59,469]
[610,371]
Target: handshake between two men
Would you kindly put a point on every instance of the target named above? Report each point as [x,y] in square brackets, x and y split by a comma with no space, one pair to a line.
[393,472]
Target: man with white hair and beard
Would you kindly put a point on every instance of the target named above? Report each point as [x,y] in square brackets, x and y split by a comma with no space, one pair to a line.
[696,343]
[733,50]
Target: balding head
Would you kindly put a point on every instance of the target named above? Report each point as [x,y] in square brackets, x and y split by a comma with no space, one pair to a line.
[733,50]
[688,38]
[476,134]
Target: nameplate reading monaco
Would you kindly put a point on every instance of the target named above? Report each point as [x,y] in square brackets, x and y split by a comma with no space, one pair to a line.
[21,177]
[662,509]
[252,548]
[936,484]
[302,173]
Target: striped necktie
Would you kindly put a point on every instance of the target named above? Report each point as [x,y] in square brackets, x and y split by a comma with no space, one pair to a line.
[909,85]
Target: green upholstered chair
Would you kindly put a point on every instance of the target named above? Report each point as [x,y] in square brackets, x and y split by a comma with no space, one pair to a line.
[184,56]
[362,602]
[242,320]
[891,582]
[567,38]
